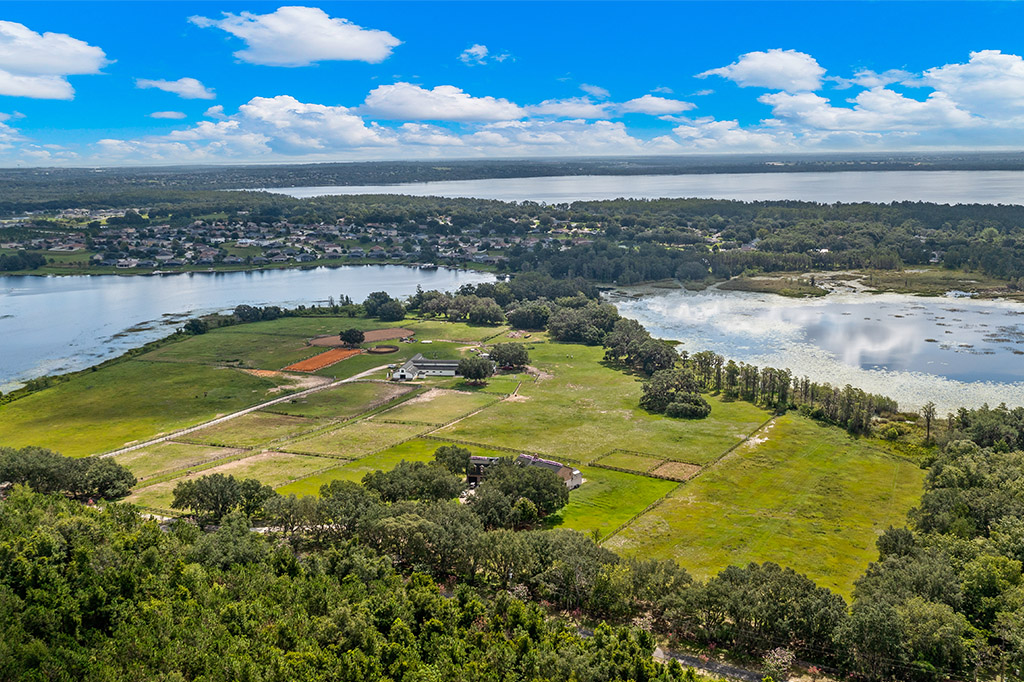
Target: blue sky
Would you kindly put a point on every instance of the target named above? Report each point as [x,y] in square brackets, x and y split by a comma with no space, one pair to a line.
[85,83]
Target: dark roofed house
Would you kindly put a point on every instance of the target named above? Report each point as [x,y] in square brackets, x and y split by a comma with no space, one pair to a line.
[478,466]
[573,478]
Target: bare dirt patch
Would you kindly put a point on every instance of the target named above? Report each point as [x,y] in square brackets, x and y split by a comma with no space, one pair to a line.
[295,381]
[539,374]
[372,336]
[325,359]
[677,471]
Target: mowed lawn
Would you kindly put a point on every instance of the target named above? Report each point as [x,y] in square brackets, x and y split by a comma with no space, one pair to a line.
[607,499]
[251,350]
[271,468]
[342,402]
[170,456]
[355,440]
[416,450]
[129,401]
[250,430]
[452,331]
[583,410]
[809,496]
[438,406]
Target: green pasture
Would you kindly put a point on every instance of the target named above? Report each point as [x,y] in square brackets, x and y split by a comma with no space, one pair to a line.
[170,456]
[582,409]
[438,406]
[355,440]
[126,402]
[607,499]
[341,402]
[250,430]
[625,460]
[415,450]
[271,468]
[250,350]
[451,331]
[809,496]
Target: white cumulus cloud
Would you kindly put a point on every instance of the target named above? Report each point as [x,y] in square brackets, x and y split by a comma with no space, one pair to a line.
[874,110]
[186,88]
[774,69]
[37,64]
[409,102]
[990,83]
[299,36]
[476,54]
[168,114]
[655,106]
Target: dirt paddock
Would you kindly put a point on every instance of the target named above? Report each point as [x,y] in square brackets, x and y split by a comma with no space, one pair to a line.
[372,336]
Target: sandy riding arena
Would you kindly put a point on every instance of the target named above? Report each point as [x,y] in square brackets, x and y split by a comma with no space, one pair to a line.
[325,359]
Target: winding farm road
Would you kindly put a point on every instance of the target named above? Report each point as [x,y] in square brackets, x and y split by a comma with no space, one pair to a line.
[239,413]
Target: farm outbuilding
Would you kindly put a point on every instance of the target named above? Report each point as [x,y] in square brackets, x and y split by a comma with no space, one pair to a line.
[419,366]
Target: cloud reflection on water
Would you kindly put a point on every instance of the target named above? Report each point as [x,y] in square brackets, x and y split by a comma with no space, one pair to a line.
[909,348]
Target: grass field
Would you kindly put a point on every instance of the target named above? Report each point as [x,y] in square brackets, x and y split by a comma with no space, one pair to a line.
[416,450]
[810,497]
[607,499]
[169,456]
[583,410]
[249,430]
[342,402]
[438,406]
[452,331]
[356,440]
[272,468]
[807,496]
[626,460]
[251,350]
[129,401]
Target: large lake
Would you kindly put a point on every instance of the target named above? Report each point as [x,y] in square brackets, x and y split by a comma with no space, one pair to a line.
[50,325]
[943,187]
[955,352]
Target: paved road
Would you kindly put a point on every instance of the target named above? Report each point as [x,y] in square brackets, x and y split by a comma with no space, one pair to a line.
[233,415]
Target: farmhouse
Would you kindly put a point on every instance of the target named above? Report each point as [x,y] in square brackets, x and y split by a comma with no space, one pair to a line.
[419,366]
[479,465]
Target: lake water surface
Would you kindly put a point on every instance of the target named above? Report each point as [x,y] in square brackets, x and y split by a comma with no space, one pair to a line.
[955,352]
[50,325]
[943,187]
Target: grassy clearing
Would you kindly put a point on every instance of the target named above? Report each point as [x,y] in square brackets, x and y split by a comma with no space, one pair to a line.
[607,500]
[170,456]
[356,440]
[126,402]
[255,428]
[810,497]
[583,409]
[221,347]
[415,450]
[626,460]
[272,468]
[452,331]
[342,402]
[503,384]
[438,406]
